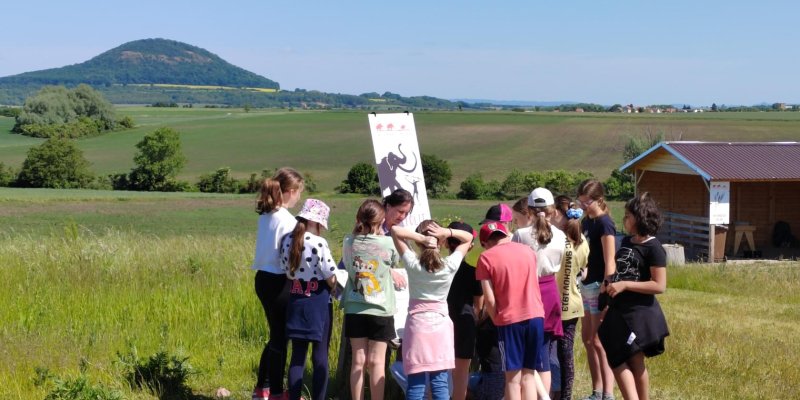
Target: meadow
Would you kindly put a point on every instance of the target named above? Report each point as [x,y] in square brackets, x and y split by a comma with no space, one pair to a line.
[88,275]
[328,143]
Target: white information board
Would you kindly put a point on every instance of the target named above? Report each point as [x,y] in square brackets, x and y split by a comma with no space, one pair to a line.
[399,162]
[720,203]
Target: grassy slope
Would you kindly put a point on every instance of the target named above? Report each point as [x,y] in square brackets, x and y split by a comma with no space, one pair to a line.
[328,143]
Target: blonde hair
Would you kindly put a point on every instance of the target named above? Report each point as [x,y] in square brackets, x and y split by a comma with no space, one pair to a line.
[270,195]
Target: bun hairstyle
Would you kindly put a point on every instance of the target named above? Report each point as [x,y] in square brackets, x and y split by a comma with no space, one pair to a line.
[645,211]
[369,217]
[298,241]
[542,234]
[595,191]
[270,195]
[573,226]
[430,259]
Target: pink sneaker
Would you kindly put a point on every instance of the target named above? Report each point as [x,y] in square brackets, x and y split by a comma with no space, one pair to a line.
[261,394]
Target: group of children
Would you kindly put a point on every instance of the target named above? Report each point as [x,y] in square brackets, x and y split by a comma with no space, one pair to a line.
[516,310]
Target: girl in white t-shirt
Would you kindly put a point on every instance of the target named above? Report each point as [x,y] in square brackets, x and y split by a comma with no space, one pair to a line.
[428,348]
[277,194]
[307,260]
[548,243]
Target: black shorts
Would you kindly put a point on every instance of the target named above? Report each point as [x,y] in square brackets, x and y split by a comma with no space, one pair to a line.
[372,327]
[464,338]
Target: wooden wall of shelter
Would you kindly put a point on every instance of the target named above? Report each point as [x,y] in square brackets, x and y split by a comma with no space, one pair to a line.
[758,203]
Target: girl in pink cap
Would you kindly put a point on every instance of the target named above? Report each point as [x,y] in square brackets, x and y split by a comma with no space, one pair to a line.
[307,261]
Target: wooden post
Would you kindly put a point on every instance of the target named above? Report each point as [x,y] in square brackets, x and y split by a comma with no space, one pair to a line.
[711,249]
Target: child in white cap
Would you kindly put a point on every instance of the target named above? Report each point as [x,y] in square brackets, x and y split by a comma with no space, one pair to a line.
[307,261]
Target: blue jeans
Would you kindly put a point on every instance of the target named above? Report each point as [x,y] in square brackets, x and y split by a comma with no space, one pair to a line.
[440,389]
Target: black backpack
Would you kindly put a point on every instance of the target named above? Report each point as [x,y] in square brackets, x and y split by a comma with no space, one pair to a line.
[782,235]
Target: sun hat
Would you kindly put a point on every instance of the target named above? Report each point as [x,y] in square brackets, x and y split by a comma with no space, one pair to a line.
[540,197]
[315,210]
[500,213]
[491,227]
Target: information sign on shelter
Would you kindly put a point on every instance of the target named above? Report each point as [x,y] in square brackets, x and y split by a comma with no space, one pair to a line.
[399,162]
[720,202]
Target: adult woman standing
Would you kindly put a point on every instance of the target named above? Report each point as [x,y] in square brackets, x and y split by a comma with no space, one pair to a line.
[599,229]
[277,194]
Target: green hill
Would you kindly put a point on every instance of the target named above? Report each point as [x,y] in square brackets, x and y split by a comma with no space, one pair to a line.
[165,71]
[148,61]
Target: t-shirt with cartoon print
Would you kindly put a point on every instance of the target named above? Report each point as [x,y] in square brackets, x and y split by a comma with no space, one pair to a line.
[368,260]
[634,261]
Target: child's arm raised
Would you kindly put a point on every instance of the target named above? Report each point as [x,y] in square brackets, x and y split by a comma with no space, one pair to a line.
[443,233]
[400,235]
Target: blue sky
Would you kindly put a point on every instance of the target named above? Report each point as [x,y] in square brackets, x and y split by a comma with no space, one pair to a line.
[690,52]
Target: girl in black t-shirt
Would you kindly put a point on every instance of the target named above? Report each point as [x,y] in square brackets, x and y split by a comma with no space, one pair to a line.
[634,325]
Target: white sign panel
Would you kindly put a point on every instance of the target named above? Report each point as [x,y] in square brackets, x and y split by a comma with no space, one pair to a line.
[720,203]
[399,162]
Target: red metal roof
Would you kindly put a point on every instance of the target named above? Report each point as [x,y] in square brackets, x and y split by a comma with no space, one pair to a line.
[741,161]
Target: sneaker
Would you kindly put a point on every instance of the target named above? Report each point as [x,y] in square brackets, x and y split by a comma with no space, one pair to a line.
[594,396]
[282,396]
[261,394]
[608,396]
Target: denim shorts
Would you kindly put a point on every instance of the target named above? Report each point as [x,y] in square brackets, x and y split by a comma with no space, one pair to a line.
[590,292]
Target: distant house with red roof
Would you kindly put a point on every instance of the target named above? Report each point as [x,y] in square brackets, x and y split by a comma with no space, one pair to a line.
[749,187]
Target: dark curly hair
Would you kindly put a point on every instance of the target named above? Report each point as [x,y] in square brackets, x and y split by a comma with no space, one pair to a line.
[646,213]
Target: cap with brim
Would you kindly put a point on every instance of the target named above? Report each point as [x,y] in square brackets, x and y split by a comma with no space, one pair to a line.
[540,197]
[499,212]
[489,228]
[462,227]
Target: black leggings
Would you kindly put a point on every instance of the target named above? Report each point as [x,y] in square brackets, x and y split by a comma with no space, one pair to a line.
[319,361]
[566,357]
[273,291]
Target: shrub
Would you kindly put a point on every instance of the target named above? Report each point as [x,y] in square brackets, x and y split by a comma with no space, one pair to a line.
[162,374]
[219,181]
[56,163]
[56,111]
[474,187]
[437,174]
[126,122]
[619,186]
[80,389]
[158,162]
[362,178]
[7,175]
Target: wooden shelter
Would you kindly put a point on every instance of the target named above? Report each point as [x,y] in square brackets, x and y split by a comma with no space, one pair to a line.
[738,190]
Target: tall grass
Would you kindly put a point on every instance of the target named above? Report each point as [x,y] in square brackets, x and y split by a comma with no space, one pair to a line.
[80,290]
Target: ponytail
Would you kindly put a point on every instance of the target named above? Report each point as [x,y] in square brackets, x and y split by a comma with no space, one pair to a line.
[298,241]
[570,211]
[542,226]
[430,259]
[369,217]
[270,195]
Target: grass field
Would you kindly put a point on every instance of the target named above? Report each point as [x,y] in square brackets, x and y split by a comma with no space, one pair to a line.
[89,274]
[328,143]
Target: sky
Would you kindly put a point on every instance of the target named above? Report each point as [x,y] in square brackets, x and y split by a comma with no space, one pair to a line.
[675,52]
